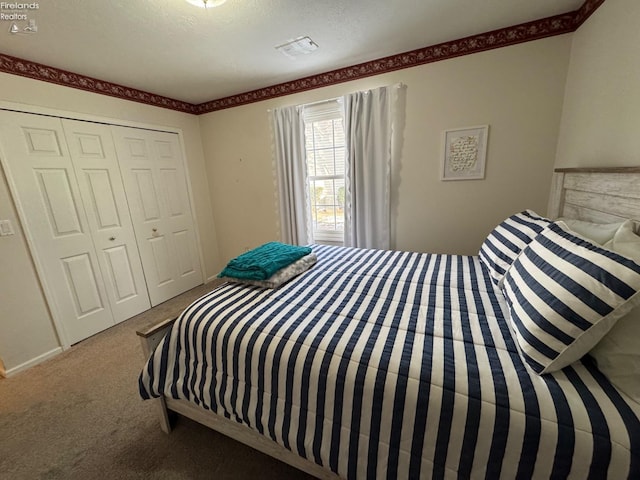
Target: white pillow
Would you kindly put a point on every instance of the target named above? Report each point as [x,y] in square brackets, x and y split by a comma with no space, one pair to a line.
[598,232]
[626,241]
[564,294]
[618,353]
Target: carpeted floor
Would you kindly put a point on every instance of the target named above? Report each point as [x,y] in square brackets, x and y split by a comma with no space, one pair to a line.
[79,416]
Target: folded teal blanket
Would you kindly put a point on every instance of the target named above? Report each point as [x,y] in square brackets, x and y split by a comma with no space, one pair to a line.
[262,262]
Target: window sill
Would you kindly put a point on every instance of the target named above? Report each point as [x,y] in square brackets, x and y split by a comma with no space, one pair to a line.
[326,238]
[333,243]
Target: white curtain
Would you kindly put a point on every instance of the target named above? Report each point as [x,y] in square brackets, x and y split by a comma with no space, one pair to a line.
[368,139]
[291,171]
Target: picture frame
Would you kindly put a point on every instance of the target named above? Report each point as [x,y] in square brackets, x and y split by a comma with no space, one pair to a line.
[465,153]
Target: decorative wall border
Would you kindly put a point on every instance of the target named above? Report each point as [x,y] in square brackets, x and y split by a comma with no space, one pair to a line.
[38,71]
[585,11]
[525,32]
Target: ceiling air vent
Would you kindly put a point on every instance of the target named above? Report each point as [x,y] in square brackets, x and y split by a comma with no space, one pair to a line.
[299,46]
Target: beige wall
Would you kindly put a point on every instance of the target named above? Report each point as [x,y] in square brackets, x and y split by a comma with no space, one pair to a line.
[26,329]
[517,90]
[601,113]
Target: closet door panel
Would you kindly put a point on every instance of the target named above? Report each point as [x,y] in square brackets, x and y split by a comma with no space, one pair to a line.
[146,195]
[120,272]
[56,194]
[166,148]
[36,155]
[102,200]
[155,183]
[94,158]
[184,241]
[162,260]
[172,186]
[143,189]
[82,278]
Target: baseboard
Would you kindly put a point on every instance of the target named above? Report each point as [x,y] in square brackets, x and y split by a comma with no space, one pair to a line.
[215,280]
[30,363]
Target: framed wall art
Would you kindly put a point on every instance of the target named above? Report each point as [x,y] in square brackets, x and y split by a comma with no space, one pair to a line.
[465,153]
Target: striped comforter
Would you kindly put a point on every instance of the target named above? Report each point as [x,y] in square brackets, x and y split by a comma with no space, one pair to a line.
[381,364]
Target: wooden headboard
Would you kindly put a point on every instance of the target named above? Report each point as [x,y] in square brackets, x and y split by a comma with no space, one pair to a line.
[599,195]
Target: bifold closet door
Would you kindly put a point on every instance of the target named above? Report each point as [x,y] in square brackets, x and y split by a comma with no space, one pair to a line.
[96,165]
[34,149]
[152,169]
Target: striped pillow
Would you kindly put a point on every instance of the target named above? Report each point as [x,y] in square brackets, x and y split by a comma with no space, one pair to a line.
[507,240]
[564,294]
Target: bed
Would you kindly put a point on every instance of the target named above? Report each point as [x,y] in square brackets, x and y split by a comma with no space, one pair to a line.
[378,364]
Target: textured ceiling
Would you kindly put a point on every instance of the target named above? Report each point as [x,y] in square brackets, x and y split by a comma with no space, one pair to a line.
[171,48]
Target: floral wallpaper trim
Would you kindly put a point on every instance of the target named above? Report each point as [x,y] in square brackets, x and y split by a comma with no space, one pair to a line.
[38,71]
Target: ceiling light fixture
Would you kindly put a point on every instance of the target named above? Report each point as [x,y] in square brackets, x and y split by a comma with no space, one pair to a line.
[206,3]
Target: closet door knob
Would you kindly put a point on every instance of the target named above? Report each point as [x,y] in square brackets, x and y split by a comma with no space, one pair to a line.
[154,229]
[112,239]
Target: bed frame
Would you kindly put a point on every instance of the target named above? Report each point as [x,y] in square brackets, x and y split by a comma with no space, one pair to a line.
[598,195]
[167,408]
[594,194]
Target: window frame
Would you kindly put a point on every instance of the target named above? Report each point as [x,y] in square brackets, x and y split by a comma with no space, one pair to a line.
[326,110]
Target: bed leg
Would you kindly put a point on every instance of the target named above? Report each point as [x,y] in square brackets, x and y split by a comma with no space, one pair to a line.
[163,414]
[149,339]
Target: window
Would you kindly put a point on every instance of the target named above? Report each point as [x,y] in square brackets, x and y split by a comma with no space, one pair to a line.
[311,146]
[325,156]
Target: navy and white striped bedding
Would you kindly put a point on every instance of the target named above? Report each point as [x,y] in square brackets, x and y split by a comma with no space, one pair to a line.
[564,294]
[381,364]
[505,242]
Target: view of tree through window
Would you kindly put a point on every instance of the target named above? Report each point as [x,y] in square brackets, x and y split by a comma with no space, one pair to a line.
[326,174]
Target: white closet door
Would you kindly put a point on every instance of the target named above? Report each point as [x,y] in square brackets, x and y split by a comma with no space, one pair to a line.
[96,166]
[153,173]
[35,151]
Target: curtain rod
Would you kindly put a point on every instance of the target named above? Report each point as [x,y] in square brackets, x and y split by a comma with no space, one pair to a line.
[338,99]
[320,102]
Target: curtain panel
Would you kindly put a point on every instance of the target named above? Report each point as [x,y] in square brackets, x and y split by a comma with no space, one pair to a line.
[287,126]
[368,138]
